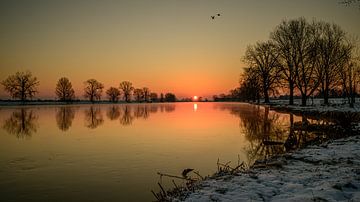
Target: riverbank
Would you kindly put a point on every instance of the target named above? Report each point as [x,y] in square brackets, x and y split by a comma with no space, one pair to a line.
[326,172]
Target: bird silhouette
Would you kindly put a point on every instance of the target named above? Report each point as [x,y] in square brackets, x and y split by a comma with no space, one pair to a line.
[218,14]
[213,17]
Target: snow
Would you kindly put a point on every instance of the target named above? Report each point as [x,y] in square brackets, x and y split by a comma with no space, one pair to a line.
[336,104]
[326,172]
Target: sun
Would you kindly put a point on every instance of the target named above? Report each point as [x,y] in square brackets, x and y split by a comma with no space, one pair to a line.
[195,98]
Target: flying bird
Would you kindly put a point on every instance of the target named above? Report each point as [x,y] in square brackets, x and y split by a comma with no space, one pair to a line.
[218,14]
[213,17]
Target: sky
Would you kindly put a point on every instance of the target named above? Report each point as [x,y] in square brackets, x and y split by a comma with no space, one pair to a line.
[165,45]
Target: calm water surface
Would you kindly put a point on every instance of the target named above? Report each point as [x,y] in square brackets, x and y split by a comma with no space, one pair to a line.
[113,152]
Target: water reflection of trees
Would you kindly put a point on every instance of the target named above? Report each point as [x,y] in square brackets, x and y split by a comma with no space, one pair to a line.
[126,118]
[113,112]
[64,117]
[21,123]
[128,113]
[264,132]
[93,117]
[272,133]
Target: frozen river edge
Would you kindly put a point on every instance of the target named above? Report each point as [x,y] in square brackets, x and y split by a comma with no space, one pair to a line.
[326,172]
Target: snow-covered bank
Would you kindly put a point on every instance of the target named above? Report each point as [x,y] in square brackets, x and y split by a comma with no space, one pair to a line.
[328,172]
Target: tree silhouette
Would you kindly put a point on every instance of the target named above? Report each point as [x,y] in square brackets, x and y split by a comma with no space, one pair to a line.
[305,62]
[21,85]
[263,60]
[170,97]
[127,88]
[22,123]
[350,78]
[93,117]
[64,90]
[93,89]
[64,117]
[250,86]
[138,94]
[332,48]
[146,92]
[285,46]
[153,97]
[113,94]
[162,97]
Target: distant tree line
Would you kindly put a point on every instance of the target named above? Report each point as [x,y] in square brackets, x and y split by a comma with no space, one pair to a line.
[303,59]
[23,86]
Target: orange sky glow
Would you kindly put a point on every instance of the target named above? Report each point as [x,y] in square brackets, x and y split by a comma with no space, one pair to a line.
[167,46]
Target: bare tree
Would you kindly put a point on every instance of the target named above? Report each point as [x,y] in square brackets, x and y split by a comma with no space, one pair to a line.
[21,85]
[285,47]
[139,94]
[332,47]
[127,88]
[154,97]
[93,89]
[113,94]
[350,78]
[305,58]
[170,97]
[146,92]
[250,86]
[161,97]
[64,90]
[263,59]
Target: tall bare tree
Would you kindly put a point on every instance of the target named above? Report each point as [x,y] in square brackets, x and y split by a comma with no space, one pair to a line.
[154,97]
[305,58]
[127,88]
[113,94]
[333,48]
[350,78]
[139,94]
[21,85]
[284,40]
[170,97]
[146,92]
[250,86]
[263,59]
[93,89]
[64,90]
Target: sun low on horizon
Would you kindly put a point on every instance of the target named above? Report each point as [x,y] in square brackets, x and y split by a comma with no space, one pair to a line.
[166,46]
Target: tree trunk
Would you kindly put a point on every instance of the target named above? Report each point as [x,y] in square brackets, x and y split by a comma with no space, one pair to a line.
[291,98]
[303,100]
[326,94]
[266,95]
[352,98]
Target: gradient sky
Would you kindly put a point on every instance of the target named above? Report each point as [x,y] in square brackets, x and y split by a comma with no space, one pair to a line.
[166,45]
